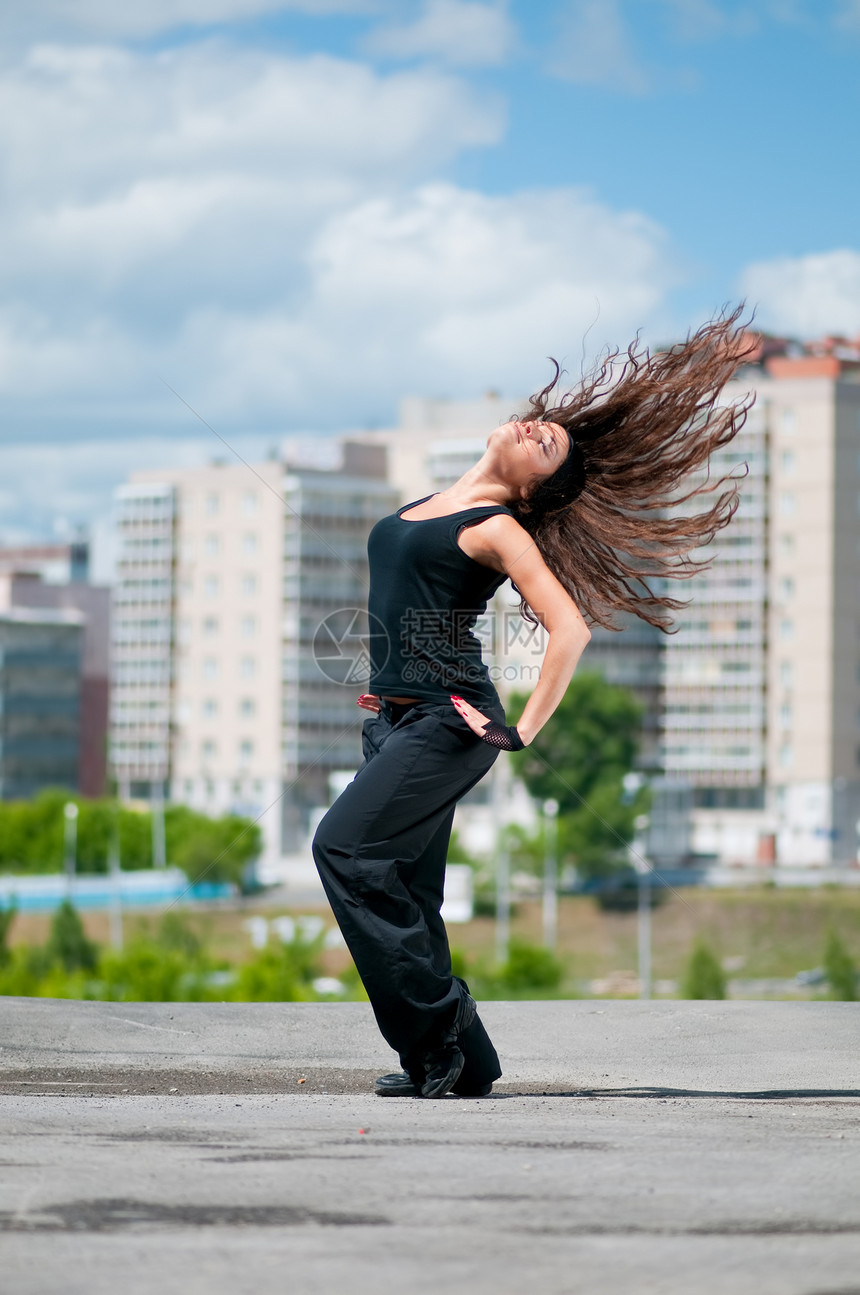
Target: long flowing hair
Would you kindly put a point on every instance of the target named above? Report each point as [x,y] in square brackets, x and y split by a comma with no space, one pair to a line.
[618,527]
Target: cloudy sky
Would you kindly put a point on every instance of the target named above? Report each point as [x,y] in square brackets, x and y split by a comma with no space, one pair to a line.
[295,212]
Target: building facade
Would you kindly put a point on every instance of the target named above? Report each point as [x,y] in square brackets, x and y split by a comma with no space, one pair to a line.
[40,702]
[235,586]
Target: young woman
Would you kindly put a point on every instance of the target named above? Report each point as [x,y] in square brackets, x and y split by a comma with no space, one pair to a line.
[581,504]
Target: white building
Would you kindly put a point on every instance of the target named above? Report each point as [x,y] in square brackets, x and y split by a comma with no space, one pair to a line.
[222,697]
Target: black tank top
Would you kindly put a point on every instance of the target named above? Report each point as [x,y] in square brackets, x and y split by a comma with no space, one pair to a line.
[425,597]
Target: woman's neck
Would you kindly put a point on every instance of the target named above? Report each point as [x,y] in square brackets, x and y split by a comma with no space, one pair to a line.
[478,485]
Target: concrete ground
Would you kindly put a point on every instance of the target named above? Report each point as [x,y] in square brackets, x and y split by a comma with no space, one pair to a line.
[695,1148]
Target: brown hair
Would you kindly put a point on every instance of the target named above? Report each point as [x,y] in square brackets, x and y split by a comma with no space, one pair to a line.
[640,426]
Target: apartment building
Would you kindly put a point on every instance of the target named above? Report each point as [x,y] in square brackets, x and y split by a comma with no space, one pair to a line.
[142,638]
[26,589]
[234,584]
[813,681]
[40,680]
[761,686]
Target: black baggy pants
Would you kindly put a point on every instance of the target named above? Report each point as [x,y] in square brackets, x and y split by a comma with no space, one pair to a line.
[381,851]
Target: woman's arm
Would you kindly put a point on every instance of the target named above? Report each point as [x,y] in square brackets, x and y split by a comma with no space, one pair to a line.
[505,545]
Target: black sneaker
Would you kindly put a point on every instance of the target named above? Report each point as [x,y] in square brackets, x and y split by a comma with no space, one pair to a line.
[400,1084]
[445,1062]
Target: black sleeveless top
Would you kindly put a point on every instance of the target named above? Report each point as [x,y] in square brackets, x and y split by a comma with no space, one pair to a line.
[425,597]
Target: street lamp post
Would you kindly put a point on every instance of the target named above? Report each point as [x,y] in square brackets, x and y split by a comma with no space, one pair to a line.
[70,842]
[643,870]
[503,861]
[550,873]
[159,853]
[114,871]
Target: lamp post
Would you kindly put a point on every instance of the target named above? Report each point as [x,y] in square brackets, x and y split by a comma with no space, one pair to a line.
[503,862]
[643,870]
[159,853]
[70,842]
[550,873]
[114,871]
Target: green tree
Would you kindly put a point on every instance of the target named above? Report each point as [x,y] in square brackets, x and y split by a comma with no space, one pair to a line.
[211,849]
[530,967]
[31,838]
[280,973]
[67,943]
[704,976]
[7,917]
[580,759]
[840,970]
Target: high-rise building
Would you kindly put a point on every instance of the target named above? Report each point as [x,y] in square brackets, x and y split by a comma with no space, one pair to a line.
[27,589]
[238,631]
[40,681]
[142,637]
[761,701]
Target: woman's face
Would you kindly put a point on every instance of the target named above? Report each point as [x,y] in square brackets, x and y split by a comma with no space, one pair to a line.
[529,450]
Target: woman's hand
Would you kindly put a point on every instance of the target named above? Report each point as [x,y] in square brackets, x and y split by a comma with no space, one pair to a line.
[369,701]
[478,722]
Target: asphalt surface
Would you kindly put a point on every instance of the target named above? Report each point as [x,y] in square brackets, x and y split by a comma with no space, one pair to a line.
[700,1148]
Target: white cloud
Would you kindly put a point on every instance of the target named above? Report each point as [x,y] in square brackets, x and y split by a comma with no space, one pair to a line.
[848,15]
[704,20]
[807,295]
[595,48]
[260,232]
[461,32]
[149,189]
[114,19]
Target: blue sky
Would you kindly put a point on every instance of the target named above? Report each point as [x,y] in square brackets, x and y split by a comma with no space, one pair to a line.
[298,213]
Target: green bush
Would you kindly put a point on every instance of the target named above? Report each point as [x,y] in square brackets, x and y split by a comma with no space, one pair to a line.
[840,970]
[7,917]
[67,944]
[280,973]
[530,967]
[704,976]
[31,838]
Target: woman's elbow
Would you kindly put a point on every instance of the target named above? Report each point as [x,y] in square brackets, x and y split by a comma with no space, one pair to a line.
[571,630]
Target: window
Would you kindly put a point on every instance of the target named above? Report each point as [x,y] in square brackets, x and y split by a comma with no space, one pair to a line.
[247,707]
[786,544]
[209,749]
[247,667]
[785,755]
[250,503]
[246,751]
[785,673]
[787,503]
[786,587]
[787,422]
[210,667]
[210,708]
[249,585]
[249,626]
[785,714]
[212,546]
[787,461]
[210,586]
[249,543]
[210,626]
[786,629]
[212,505]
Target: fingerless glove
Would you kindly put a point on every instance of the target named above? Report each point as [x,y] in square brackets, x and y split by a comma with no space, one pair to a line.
[503,736]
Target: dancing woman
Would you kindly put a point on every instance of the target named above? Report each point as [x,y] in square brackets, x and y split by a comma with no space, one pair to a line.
[581,504]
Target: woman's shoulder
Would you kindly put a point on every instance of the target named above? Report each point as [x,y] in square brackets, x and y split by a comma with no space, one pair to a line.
[496,540]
